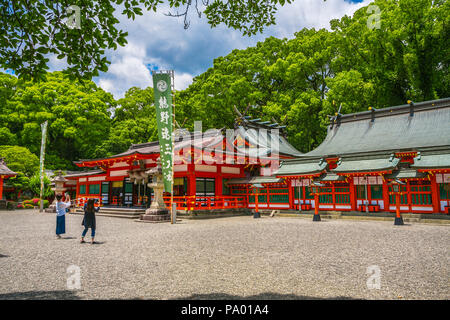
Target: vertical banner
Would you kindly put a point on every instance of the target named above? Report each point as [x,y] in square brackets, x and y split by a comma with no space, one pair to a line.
[162,88]
[41,162]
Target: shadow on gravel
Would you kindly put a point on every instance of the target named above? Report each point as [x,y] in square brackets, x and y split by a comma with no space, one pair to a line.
[261,296]
[3,256]
[40,295]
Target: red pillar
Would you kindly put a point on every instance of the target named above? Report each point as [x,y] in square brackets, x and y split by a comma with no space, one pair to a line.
[353,195]
[408,196]
[316,216]
[386,196]
[1,187]
[435,195]
[291,195]
[397,205]
[219,185]
[191,184]
[398,217]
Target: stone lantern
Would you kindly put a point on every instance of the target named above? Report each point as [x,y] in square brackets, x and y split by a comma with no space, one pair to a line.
[158,210]
[59,181]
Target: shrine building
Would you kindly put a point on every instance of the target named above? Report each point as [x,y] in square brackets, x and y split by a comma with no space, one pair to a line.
[5,173]
[362,154]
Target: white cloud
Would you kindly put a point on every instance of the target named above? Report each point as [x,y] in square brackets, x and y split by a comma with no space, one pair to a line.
[312,14]
[127,70]
[182,81]
[161,41]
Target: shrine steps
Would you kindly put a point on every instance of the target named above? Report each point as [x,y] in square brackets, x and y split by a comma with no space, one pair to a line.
[127,213]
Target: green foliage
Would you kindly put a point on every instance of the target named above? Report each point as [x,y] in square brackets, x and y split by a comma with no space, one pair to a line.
[46,204]
[35,186]
[134,122]
[20,183]
[299,81]
[77,112]
[20,160]
[303,80]
[29,33]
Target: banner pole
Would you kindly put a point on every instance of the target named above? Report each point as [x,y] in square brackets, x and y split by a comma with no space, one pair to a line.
[174,208]
[41,164]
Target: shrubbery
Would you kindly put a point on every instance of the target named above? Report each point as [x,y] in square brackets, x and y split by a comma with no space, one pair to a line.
[36,202]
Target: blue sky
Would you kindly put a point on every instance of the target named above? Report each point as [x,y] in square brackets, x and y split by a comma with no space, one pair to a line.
[158,41]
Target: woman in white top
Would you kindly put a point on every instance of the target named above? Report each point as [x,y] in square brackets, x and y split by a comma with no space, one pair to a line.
[61,215]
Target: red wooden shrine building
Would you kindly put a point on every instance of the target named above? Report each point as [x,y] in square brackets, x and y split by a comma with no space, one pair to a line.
[206,164]
[5,173]
[361,155]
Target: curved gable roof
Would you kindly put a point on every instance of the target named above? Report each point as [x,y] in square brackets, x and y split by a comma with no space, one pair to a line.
[392,129]
[4,170]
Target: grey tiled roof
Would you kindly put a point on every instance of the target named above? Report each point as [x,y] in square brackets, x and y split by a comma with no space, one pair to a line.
[406,174]
[393,129]
[432,161]
[301,167]
[364,164]
[255,180]
[4,170]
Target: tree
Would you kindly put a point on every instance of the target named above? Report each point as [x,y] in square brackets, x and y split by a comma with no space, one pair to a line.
[20,160]
[134,122]
[77,111]
[35,186]
[408,57]
[80,31]
[303,80]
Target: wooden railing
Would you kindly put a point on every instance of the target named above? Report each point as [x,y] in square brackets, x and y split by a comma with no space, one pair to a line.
[187,202]
[80,201]
[207,203]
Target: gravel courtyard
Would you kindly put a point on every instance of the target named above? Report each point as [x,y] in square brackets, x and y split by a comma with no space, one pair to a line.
[232,258]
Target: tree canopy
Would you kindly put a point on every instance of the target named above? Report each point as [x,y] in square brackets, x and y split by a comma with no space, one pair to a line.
[77,111]
[81,31]
[304,79]
[298,81]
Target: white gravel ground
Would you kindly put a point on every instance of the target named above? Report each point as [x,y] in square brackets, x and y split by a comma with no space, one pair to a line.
[233,258]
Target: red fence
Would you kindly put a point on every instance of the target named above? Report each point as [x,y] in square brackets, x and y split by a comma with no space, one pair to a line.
[189,202]
[82,200]
[207,203]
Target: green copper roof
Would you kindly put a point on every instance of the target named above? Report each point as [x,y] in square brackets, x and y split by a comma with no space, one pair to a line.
[4,170]
[332,177]
[432,161]
[264,143]
[363,165]
[390,129]
[301,167]
[255,180]
[405,174]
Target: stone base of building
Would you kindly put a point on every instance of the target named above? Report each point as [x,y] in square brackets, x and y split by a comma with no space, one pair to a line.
[156,215]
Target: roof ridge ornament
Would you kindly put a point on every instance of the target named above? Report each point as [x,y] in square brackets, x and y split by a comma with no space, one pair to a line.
[336,118]
[373,113]
[391,158]
[411,108]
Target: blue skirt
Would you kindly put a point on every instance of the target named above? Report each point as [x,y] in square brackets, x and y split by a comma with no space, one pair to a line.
[60,224]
